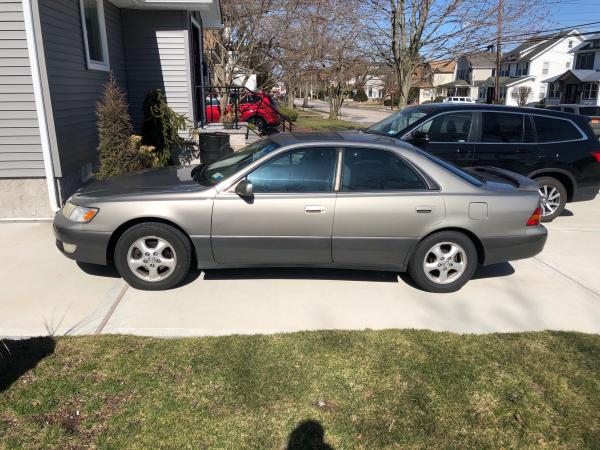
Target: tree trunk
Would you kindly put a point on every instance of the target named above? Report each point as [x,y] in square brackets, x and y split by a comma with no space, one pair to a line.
[336,100]
[305,101]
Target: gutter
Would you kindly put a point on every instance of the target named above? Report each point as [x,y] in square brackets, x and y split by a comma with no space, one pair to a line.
[39,105]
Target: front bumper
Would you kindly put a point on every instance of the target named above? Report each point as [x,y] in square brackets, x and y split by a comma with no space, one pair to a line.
[510,248]
[90,246]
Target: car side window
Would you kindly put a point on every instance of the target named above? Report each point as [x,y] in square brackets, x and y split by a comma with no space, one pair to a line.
[502,127]
[451,127]
[569,110]
[377,170]
[305,170]
[550,129]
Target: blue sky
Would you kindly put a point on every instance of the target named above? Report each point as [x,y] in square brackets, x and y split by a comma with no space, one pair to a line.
[566,13]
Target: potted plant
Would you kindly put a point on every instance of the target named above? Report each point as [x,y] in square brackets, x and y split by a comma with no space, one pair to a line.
[227,119]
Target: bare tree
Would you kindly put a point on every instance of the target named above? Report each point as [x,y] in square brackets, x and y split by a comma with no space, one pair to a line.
[407,31]
[521,95]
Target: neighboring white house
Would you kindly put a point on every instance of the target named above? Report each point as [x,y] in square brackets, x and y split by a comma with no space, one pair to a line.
[374,87]
[581,83]
[471,72]
[432,76]
[531,64]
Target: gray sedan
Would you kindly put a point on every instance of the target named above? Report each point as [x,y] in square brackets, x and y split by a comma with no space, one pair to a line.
[349,200]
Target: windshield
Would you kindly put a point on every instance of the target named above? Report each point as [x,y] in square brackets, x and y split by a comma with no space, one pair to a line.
[211,174]
[397,122]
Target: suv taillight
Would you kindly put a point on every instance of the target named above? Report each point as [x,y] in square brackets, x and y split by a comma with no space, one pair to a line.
[596,154]
[535,217]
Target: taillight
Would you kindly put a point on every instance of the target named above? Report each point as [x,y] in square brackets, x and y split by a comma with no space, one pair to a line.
[596,155]
[535,217]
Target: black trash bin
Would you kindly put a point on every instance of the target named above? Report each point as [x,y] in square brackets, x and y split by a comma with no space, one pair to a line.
[213,146]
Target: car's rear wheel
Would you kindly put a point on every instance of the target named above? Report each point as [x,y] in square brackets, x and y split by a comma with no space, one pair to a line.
[153,256]
[259,123]
[443,262]
[553,195]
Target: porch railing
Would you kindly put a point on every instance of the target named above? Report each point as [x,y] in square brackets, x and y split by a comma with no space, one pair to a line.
[210,108]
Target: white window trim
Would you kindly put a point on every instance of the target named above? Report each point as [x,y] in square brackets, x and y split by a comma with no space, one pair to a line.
[589,91]
[92,64]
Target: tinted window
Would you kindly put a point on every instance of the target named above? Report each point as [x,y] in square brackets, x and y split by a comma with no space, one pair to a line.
[550,130]
[589,110]
[501,127]
[452,127]
[377,170]
[310,170]
[398,121]
[569,110]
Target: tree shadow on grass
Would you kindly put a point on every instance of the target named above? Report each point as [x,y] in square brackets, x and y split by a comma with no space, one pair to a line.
[308,435]
[17,357]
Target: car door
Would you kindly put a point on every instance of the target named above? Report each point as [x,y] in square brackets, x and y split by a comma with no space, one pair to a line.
[448,136]
[383,205]
[289,217]
[507,141]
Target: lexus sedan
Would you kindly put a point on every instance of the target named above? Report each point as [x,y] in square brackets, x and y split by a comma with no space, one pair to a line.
[344,200]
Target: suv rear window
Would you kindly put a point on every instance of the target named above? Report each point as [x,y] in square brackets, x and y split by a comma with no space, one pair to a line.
[589,110]
[550,129]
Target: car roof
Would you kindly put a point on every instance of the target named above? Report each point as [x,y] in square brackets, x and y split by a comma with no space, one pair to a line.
[350,137]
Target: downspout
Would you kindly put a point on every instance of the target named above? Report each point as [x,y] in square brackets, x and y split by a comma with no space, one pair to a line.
[39,105]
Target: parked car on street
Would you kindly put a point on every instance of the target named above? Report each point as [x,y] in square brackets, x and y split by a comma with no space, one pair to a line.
[257,108]
[558,150]
[458,100]
[348,200]
[593,112]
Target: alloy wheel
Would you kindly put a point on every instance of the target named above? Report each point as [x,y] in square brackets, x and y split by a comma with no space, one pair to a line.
[151,258]
[550,199]
[445,262]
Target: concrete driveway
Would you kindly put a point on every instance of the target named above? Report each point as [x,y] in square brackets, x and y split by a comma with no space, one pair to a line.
[365,115]
[44,293]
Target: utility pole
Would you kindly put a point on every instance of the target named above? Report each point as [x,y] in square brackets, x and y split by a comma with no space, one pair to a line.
[498,51]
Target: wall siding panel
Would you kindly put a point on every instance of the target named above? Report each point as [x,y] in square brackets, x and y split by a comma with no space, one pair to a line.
[20,145]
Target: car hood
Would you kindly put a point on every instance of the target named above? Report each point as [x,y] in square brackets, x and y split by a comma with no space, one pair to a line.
[175,179]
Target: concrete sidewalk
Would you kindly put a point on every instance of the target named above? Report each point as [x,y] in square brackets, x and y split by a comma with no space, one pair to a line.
[45,293]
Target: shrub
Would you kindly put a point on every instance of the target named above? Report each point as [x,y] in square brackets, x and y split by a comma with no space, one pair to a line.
[290,113]
[117,154]
[360,95]
[388,102]
[161,125]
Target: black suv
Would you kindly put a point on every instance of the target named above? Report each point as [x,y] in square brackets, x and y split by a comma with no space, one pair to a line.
[558,150]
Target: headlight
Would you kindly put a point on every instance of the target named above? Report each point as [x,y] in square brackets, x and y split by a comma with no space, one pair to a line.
[81,214]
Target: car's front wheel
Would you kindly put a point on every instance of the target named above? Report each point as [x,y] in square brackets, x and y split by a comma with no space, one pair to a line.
[553,197]
[153,256]
[443,262]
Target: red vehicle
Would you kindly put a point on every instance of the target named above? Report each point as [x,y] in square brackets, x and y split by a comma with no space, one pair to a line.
[257,108]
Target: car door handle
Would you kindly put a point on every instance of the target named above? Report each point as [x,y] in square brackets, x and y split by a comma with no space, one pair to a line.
[462,150]
[314,209]
[423,209]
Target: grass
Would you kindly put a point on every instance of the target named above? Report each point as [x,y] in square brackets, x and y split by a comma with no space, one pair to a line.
[317,122]
[370,389]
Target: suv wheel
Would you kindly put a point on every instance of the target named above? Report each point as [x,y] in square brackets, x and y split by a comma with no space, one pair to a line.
[553,197]
[443,262]
[259,122]
[153,256]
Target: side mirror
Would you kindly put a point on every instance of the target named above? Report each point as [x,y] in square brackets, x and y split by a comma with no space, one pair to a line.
[419,138]
[244,189]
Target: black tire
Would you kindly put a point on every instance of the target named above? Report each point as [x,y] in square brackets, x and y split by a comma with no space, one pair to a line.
[259,122]
[417,270]
[549,183]
[179,251]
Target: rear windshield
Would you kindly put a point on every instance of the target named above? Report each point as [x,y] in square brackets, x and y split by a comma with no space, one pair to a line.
[589,110]
[470,178]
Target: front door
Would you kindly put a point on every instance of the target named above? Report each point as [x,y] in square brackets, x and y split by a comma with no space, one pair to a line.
[288,219]
[449,136]
[507,141]
[383,206]
[570,93]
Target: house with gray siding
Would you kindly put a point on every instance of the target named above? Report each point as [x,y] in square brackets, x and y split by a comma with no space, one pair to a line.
[55,58]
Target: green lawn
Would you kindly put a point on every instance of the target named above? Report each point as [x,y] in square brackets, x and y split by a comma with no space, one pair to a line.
[318,123]
[372,389]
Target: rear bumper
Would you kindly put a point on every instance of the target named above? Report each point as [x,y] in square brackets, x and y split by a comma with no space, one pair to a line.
[90,246]
[583,194]
[510,248]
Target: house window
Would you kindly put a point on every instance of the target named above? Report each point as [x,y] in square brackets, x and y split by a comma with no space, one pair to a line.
[545,67]
[554,90]
[542,91]
[502,92]
[94,34]
[505,70]
[590,91]
[570,43]
[585,61]
[568,65]
[523,68]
